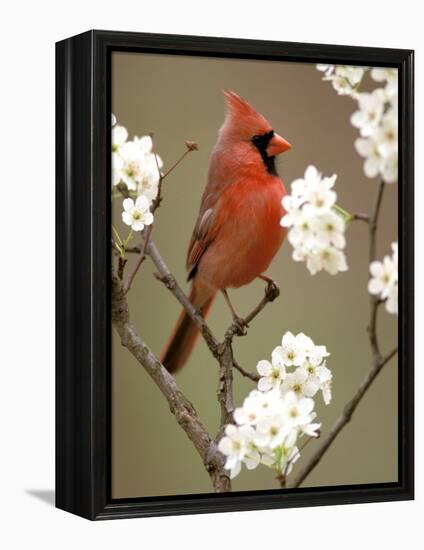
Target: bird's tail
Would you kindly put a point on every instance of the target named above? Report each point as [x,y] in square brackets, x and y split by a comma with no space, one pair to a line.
[184,337]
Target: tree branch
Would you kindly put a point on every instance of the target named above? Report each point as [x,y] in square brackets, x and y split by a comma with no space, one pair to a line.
[179,405]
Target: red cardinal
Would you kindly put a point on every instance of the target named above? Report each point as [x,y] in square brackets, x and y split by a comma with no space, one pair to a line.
[237,232]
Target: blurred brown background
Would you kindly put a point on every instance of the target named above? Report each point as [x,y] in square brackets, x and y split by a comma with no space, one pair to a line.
[180,98]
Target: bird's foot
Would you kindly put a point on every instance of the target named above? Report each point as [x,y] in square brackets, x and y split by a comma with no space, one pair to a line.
[272,290]
[239,326]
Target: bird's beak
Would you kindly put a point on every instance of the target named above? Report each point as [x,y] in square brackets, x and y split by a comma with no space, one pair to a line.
[277,145]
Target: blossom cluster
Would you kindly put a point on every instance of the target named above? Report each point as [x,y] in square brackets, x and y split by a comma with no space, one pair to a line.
[345,79]
[281,410]
[135,165]
[384,280]
[376,117]
[316,229]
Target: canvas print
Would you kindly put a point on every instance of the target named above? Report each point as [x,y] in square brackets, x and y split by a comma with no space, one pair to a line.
[254,212]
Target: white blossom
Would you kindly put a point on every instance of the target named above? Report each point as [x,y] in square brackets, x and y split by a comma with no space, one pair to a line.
[293,214]
[376,117]
[328,258]
[301,233]
[301,186]
[327,69]
[380,146]
[368,117]
[392,300]
[119,137]
[272,373]
[345,79]
[297,410]
[301,383]
[386,135]
[312,429]
[383,275]
[368,148]
[255,406]
[293,349]
[271,431]
[273,417]
[316,231]
[389,169]
[289,453]
[316,356]
[137,214]
[395,253]
[234,445]
[381,74]
[319,197]
[329,229]
[384,280]
[139,171]
[390,77]
[134,163]
[325,377]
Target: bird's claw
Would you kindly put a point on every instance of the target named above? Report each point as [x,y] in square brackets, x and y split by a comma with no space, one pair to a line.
[272,291]
[240,326]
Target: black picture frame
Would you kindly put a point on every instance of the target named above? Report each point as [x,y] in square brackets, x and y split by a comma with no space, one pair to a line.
[83,65]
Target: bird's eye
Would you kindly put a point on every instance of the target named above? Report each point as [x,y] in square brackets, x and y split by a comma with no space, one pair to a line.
[261,141]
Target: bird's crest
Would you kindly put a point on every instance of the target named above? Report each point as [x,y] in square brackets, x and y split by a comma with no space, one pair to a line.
[242,115]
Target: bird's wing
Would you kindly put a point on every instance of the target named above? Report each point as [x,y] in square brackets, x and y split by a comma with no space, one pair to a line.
[203,234]
[210,216]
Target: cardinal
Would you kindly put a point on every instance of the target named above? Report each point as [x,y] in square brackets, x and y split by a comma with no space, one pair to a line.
[237,232]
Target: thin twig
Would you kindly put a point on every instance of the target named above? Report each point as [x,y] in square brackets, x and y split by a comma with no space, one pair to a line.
[374,300]
[253,376]
[158,198]
[191,146]
[358,216]
[374,220]
[271,293]
[133,249]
